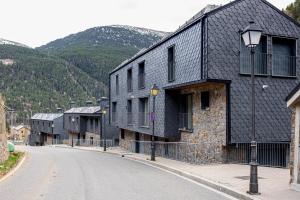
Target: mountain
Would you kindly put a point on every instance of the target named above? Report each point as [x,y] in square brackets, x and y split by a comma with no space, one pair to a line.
[4,41]
[33,81]
[98,50]
[72,68]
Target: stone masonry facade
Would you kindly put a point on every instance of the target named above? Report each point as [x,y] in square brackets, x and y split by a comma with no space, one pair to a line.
[209,126]
[291,164]
[3,142]
[205,143]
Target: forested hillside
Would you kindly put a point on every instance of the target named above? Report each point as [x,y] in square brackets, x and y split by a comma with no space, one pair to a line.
[36,81]
[98,50]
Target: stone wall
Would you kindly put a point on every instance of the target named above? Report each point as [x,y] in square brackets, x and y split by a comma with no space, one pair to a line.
[126,142]
[206,143]
[292,148]
[3,142]
[209,126]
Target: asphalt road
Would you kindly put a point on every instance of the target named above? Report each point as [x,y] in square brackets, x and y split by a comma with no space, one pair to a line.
[54,173]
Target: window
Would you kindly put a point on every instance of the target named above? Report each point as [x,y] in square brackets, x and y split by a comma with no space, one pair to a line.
[171,63]
[141,78]
[91,124]
[204,100]
[129,112]
[117,84]
[96,123]
[144,111]
[129,80]
[186,112]
[284,57]
[114,112]
[122,134]
[260,59]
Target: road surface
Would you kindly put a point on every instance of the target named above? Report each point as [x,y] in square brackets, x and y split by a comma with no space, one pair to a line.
[53,173]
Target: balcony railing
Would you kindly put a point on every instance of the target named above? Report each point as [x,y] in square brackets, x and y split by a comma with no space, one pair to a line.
[260,63]
[141,81]
[129,118]
[185,121]
[144,119]
[284,65]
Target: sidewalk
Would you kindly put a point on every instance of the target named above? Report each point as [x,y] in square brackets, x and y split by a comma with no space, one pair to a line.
[273,182]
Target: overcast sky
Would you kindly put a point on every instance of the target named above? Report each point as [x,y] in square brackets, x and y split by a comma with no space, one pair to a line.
[36,22]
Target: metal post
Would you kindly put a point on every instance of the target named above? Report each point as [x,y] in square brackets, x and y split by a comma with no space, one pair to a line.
[72,141]
[253,186]
[152,137]
[104,134]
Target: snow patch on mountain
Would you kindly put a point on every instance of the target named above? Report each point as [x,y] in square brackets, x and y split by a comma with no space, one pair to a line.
[143,31]
[8,42]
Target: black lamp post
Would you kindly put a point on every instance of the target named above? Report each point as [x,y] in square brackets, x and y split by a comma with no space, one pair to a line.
[103,106]
[154,92]
[73,121]
[251,36]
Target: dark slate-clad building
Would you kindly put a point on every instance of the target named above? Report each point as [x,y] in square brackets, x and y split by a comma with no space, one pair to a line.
[46,128]
[203,72]
[84,124]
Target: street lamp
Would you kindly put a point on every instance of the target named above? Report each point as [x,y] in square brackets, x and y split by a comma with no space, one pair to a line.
[251,36]
[154,92]
[103,101]
[73,121]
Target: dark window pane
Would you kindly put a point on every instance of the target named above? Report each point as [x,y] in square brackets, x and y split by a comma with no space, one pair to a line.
[204,100]
[171,64]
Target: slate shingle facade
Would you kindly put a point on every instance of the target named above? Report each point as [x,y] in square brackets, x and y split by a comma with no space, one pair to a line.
[208,49]
[45,128]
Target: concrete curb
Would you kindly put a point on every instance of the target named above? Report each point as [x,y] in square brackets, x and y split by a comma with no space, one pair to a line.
[11,172]
[201,180]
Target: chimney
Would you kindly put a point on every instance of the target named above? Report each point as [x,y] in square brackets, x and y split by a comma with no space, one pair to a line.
[59,110]
[72,104]
[89,103]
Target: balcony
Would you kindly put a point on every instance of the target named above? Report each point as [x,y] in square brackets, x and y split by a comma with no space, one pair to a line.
[185,121]
[144,119]
[260,63]
[284,65]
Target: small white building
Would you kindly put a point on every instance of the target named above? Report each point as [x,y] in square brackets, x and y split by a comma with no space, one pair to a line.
[293,102]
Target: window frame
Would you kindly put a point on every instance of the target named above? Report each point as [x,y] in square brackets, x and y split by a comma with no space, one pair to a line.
[130,82]
[117,82]
[171,78]
[295,40]
[266,53]
[142,86]
[203,101]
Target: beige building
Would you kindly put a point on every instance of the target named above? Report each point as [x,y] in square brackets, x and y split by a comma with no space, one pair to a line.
[3,142]
[293,101]
[19,132]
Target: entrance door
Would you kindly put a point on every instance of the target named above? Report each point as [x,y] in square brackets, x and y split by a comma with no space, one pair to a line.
[137,143]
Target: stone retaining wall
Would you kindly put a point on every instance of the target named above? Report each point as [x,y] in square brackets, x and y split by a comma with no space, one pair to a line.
[3,142]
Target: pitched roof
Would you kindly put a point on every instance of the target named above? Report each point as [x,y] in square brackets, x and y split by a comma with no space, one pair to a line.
[19,127]
[46,116]
[208,10]
[84,110]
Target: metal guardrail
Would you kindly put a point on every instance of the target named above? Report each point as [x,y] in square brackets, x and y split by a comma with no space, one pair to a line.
[85,142]
[284,65]
[268,154]
[260,63]
[196,153]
